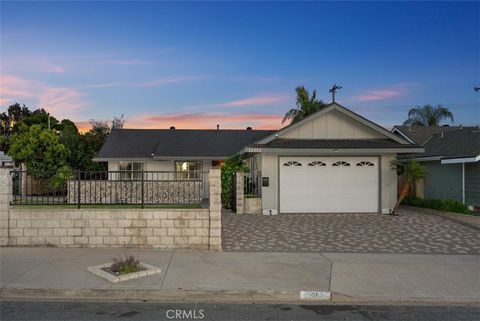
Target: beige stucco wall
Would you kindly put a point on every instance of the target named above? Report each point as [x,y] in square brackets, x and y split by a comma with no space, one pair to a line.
[388,180]
[330,126]
[270,194]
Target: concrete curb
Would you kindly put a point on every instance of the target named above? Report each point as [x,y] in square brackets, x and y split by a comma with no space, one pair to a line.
[347,299]
[203,296]
[215,296]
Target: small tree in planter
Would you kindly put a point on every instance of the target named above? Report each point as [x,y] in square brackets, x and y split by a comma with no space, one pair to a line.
[411,170]
[230,167]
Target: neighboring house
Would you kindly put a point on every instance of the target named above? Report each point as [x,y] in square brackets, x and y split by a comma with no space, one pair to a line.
[5,160]
[332,161]
[452,158]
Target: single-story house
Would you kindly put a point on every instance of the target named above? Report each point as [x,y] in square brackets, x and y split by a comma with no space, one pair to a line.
[452,158]
[332,161]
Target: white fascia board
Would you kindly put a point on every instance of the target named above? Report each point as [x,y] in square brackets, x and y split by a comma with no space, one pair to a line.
[428,159]
[461,160]
[396,130]
[100,159]
[189,158]
[354,151]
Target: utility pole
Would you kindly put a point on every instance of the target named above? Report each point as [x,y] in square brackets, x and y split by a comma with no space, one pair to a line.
[333,90]
[48,121]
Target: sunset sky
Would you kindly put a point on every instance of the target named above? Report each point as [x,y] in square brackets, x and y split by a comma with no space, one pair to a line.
[195,65]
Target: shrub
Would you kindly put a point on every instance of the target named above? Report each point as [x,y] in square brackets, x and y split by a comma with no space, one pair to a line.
[442,205]
[231,165]
[124,266]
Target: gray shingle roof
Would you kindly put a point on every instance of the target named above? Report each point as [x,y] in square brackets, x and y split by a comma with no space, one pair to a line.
[333,143]
[142,143]
[454,144]
[420,134]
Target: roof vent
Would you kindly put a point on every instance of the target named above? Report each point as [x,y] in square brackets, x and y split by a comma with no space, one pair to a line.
[441,135]
[249,128]
[172,127]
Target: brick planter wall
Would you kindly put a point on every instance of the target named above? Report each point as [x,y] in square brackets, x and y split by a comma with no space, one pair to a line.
[253,205]
[147,228]
[102,227]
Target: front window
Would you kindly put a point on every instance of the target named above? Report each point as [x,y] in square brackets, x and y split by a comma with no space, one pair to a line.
[188,169]
[130,170]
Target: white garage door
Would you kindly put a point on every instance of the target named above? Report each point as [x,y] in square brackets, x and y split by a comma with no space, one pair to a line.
[328,184]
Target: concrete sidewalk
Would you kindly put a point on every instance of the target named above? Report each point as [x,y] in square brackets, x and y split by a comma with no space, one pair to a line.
[242,277]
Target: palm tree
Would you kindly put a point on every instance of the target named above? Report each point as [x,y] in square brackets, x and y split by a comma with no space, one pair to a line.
[428,115]
[411,170]
[306,105]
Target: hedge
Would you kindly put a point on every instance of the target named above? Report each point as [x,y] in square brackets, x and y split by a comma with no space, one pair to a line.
[442,205]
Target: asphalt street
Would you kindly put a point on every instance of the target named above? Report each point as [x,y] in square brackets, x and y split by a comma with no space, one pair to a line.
[83,310]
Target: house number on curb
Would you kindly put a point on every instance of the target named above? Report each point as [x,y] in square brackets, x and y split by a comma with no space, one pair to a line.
[314,295]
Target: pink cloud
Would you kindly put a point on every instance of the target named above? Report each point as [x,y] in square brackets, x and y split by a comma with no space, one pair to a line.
[258,101]
[62,102]
[42,64]
[385,93]
[375,95]
[199,121]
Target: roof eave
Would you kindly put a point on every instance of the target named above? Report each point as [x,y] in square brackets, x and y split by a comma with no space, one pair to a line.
[393,150]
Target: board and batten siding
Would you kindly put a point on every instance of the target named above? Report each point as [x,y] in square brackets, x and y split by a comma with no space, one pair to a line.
[332,125]
[472,184]
[443,181]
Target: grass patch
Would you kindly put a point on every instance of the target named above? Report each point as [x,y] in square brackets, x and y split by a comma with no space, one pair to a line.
[110,206]
[442,205]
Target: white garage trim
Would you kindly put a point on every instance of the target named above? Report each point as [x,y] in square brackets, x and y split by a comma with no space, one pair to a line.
[299,174]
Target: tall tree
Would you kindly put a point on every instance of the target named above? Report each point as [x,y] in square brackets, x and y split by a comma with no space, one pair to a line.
[92,141]
[39,148]
[14,114]
[428,115]
[306,105]
[118,122]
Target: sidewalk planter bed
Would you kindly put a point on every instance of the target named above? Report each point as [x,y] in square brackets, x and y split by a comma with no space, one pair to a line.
[104,271]
[442,205]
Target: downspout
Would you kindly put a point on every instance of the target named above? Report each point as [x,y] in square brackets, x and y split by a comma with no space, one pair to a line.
[463,183]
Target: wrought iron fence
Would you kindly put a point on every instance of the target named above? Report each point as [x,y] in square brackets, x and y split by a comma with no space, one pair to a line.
[109,188]
[253,183]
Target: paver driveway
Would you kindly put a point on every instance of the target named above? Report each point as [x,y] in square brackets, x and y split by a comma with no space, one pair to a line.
[409,232]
